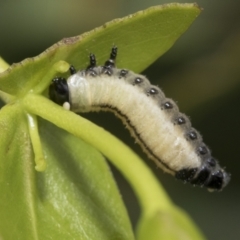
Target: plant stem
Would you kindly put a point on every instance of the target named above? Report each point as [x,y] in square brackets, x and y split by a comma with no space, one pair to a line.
[149,192]
[36,143]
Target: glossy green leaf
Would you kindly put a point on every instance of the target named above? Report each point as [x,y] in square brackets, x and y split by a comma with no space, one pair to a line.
[17,179]
[141,39]
[75,198]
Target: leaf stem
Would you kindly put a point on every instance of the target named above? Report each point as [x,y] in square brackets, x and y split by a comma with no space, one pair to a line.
[36,143]
[149,192]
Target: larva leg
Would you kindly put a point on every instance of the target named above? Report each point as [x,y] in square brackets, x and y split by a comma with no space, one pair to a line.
[111,61]
[92,65]
[92,62]
[72,70]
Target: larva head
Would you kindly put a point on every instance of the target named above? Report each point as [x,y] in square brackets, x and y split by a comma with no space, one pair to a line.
[58,91]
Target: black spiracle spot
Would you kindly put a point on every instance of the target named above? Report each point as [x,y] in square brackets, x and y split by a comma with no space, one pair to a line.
[167,105]
[123,73]
[180,120]
[192,135]
[137,80]
[152,91]
[211,162]
[202,150]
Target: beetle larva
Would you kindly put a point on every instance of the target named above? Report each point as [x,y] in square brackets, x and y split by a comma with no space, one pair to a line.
[165,134]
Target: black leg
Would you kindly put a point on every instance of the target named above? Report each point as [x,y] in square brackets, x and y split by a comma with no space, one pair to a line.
[72,70]
[111,61]
[92,61]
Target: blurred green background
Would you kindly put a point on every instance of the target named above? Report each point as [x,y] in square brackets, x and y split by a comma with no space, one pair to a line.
[201,72]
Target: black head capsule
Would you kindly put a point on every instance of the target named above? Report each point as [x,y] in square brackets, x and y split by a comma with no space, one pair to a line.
[58,91]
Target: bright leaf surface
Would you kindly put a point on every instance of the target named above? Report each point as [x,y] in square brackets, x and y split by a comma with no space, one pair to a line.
[141,39]
[75,198]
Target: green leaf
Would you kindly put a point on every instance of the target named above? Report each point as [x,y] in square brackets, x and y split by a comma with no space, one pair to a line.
[78,192]
[141,39]
[17,179]
[75,198]
[173,224]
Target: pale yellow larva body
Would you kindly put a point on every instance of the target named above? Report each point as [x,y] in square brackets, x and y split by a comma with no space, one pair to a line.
[163,139]
[165,134]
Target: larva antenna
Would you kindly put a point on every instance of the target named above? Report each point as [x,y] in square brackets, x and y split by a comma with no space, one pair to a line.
[111,61]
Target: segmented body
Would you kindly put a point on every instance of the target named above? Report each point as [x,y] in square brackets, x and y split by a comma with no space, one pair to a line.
[165,134]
